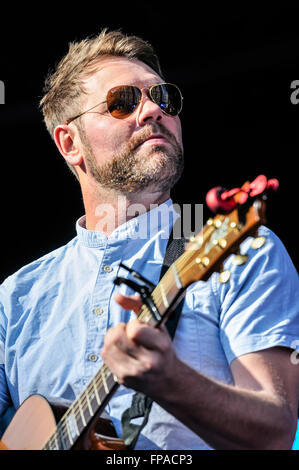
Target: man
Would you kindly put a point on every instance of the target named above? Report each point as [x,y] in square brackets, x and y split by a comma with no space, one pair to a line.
[227,381]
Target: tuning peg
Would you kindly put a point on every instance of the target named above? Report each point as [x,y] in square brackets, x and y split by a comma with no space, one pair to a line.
[235,225]
[195,243]
[216,222]
[205,261]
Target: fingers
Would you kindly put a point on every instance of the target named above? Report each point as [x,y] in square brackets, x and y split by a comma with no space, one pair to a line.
[136,353]
[117,340]
[134,336]
[147,336]
[132,302]
[127,360]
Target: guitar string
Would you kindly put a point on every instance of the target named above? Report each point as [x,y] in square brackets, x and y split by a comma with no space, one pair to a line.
[82,403]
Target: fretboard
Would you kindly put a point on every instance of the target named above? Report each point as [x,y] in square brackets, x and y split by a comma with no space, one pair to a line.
[90,402]
[101,388]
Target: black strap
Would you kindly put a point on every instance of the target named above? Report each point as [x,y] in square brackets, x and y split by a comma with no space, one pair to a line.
[141,404]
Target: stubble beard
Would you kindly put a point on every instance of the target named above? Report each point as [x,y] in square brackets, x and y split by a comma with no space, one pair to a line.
[134,169]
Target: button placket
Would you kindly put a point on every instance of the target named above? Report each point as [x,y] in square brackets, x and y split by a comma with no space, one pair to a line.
[98,319]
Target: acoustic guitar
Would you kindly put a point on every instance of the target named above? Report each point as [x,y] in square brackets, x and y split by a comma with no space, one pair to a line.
[40,425]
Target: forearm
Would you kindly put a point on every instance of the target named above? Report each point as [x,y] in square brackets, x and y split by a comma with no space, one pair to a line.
[226,417]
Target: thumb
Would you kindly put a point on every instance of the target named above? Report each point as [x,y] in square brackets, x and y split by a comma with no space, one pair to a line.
[129,302]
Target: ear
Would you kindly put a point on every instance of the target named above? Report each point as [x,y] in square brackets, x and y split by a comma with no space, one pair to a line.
[67,142]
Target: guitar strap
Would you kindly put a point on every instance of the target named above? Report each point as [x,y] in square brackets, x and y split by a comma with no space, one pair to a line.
[141,404]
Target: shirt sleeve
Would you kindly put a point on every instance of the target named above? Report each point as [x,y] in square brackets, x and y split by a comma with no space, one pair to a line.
[260,303]
[5,400]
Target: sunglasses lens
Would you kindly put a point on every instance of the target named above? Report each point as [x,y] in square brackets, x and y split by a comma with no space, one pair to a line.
[122,101]
[168,97]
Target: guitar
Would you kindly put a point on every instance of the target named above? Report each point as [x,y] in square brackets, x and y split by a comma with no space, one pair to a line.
[38,424]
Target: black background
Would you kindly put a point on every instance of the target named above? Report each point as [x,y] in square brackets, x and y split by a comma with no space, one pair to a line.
[234,65]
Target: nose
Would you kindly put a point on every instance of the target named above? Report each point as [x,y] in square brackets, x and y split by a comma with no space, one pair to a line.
[148,111]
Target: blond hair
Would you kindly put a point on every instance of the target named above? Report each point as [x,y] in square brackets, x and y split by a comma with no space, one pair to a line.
[63,90]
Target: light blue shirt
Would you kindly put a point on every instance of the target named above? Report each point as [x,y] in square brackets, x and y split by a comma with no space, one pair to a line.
[56,311]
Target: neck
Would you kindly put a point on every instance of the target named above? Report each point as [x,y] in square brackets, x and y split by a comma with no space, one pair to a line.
[105,210]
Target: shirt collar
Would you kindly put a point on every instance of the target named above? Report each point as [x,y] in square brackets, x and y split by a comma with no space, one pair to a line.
[159,218]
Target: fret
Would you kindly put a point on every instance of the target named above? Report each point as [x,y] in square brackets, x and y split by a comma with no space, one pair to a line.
[96,392]
[176,276]
[81,415]
[101,391]
[72,428]
[104,380]
[64,442]
[145,315]
[68,433]
[94,405]
[163,295]
[167,290]
[56,444]
[88,403]
[111,380]
[52,443]
[80,420]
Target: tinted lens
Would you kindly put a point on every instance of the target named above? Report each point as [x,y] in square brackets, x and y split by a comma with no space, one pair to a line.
[168,97]
[122,101]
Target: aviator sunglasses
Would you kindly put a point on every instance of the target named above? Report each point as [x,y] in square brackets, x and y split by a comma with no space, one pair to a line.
[123,100]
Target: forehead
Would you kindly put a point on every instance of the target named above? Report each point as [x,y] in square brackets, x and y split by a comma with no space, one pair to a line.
[113,71]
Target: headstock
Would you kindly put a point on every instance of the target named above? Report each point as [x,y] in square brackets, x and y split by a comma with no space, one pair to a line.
[223,234]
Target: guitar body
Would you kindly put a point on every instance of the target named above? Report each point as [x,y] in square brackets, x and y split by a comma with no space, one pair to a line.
[36,420]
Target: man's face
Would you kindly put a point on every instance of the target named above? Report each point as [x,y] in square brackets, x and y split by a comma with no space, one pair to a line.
[141,152]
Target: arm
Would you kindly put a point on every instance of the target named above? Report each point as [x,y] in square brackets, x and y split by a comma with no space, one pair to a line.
[258,412]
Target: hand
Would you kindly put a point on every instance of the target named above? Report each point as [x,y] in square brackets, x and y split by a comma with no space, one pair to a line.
[141,357]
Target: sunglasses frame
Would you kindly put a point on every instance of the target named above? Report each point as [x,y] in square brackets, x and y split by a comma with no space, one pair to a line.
[148,88]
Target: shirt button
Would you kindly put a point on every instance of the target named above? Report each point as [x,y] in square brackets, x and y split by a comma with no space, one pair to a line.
[108,269]
[98,311]
[93,357]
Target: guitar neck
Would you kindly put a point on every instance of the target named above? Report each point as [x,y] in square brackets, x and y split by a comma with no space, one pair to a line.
[165,295]
[89,403]
[102,387]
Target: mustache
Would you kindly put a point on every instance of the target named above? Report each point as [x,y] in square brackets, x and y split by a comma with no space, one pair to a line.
[147,132]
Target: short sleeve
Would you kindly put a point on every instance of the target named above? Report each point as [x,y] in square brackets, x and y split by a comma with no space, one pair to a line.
[5,400]
[260,303]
